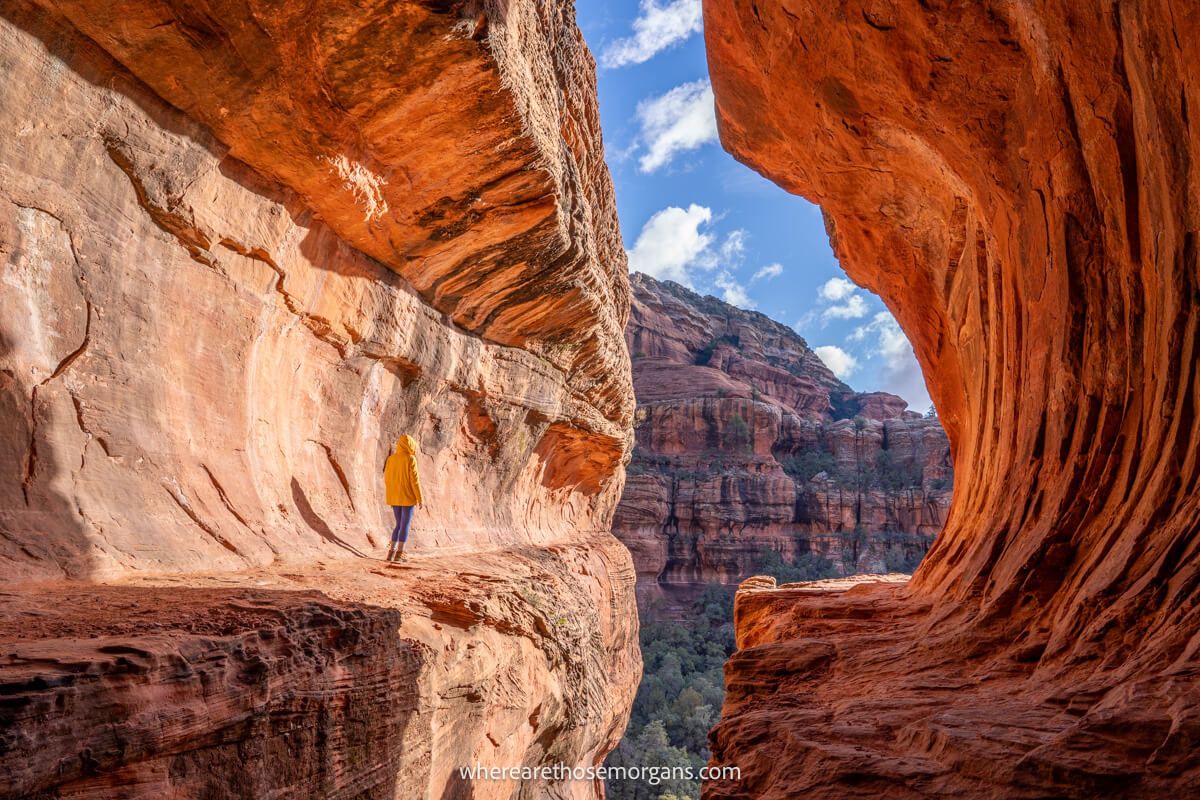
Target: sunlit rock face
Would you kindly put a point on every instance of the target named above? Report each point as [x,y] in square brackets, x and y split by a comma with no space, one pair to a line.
[244,248]
[746,443]
[232,323]
[1019,183]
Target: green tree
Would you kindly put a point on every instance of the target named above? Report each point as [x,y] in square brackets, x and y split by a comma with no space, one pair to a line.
[804,465]
[651,750]
[680,695]
[899,558]
[739,436]
[670,672]
[890,474]
[690,719]
[806,567]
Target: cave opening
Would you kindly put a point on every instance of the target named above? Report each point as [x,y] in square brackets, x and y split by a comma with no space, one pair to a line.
[783,427]
[244,251]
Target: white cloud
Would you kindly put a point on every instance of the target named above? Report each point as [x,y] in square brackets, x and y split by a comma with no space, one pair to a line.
[901,373]
[801,325]
[883,328]
[836,289]
[681,244]
[855,307]
[671,241]
[847,302]
[732,291]
[840,363]
[656,28]
[768,272]
[733,249]
[683,119]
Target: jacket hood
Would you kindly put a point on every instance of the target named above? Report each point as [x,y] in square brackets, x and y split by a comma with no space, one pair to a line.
[406,444]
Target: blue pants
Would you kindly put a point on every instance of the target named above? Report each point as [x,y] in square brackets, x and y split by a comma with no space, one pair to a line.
[404,515]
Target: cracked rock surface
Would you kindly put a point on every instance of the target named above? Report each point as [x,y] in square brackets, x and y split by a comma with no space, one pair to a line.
[339,679]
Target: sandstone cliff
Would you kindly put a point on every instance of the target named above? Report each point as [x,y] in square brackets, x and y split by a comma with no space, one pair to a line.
[746,442]
[244,246]
[1019,182]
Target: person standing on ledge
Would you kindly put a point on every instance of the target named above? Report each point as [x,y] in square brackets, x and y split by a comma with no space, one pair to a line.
[403,487]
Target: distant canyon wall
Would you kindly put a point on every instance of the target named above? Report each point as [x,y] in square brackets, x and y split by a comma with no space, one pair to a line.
[1018,182]
[747,443]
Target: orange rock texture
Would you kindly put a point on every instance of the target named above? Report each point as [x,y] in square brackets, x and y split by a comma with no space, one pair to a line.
[746,442]
[336,680]
[1019,182]
[243,248]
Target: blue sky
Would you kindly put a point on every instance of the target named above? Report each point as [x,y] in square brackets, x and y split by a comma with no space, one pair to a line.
[690,213]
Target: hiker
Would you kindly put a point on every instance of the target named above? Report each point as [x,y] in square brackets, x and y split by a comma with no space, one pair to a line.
[403,486]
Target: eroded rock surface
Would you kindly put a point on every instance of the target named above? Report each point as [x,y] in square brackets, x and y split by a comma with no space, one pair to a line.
[1019,182]
[340,680]
[182,332]
[746,442]
[244,247]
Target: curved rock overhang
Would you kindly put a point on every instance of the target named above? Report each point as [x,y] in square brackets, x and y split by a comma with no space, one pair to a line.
[243,248]
[1019,183]
[276,236]
[458,143]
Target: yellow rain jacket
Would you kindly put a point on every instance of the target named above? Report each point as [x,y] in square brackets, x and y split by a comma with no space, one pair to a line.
[400,474]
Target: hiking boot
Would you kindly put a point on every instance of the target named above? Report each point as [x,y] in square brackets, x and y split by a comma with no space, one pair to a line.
[399,554]
[391,552]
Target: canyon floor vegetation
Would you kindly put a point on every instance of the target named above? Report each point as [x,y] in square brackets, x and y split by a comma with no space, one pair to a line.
[683,684]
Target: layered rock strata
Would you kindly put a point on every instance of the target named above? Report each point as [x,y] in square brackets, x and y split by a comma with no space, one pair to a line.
[244,248]
[746,442]
[1019,183]
[340,681]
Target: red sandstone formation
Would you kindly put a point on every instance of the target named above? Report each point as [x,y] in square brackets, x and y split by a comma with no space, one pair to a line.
[242,248]
[338,680]
[1019,182]
[746,442]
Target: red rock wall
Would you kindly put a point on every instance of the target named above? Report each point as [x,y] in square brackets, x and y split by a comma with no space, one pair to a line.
[243,248]
[1018,181]
[343,681]
[709,488]
[211,344]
